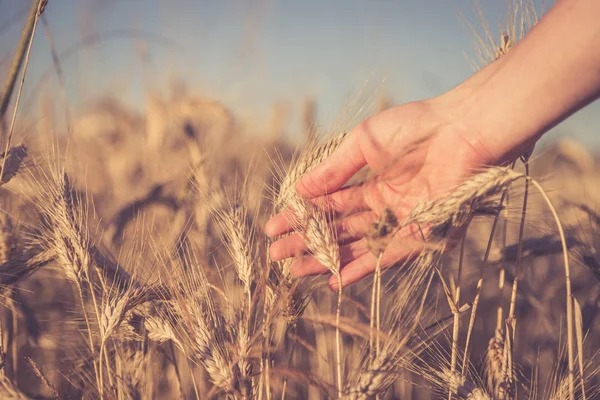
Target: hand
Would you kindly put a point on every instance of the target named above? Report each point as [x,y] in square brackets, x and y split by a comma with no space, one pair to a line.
[415,152]
[422,150]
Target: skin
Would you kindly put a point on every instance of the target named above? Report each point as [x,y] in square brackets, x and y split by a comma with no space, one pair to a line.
[421,150]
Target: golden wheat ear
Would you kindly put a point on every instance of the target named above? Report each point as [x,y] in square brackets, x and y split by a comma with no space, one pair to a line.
[12,162]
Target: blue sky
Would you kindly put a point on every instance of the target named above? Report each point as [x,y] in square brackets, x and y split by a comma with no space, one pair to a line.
[252,54]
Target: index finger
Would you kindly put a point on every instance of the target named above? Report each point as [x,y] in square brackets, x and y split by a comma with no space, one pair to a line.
[333,172]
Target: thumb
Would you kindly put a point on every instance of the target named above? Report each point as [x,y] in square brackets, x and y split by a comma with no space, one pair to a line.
[332,173]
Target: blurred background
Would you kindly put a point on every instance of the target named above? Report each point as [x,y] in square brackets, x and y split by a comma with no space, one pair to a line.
[254,55]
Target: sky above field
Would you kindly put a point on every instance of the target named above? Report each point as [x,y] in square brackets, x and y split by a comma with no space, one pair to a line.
[254,54]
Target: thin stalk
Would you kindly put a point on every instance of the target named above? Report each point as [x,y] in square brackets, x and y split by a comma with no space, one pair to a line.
[193,376]
[15,335]
[176,367]
[86,318]
[267,372]
[456,312]
[374,297]
[378,308]
[502,273]
[262,379]
[98,320]
[454,308]
[94,301]
[453,362]
[101,382]
[104,286]
[480,286]
[264,361]
[88,326]
[35,14]
[513,297]
[579,335]
[284,390]
[338,338]
[2,355]
[568,288]
[265,367]
[22,50]
[372,319]
[108,369]
[378,305]
[292,349]
[268,379]
[248,326]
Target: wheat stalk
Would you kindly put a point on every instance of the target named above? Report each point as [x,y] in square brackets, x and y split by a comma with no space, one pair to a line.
[479,287]
[569,301]
[39,5]
[513,299]
[22,53]
[321,241]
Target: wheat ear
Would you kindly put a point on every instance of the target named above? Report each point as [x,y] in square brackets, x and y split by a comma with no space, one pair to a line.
[321,240]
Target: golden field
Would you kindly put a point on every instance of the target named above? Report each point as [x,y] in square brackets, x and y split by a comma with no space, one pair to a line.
[134,265]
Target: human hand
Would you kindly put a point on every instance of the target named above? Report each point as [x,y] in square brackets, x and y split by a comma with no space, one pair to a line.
[416,153]
[422,150]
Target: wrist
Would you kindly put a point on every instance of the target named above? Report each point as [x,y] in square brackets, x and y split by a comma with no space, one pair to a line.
[461,118]
[497,129]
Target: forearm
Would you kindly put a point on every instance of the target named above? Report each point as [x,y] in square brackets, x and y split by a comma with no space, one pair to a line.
[550,74]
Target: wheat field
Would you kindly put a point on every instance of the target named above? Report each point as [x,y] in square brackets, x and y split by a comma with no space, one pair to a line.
[134,265]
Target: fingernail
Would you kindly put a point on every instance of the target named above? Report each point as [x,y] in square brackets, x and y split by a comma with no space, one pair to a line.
[334,283]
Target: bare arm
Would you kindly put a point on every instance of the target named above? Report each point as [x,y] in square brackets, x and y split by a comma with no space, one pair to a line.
[553,72]
[491,118]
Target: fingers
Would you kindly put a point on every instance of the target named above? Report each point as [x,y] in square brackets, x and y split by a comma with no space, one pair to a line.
[335,171]
[355,226]
[366,264]
[279,224]
[288,246]
[355,271]
[349,229]
[345,201]
[308,265]
[356,260]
